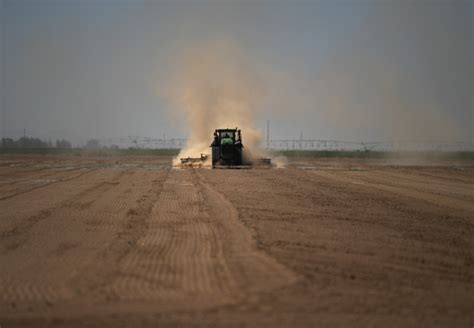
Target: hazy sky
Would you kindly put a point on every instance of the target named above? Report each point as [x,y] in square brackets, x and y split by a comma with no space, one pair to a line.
[351,70]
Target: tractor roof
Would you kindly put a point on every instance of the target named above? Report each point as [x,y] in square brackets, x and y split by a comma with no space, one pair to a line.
[226,130]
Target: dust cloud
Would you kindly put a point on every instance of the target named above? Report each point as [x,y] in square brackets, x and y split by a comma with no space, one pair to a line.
[404,76]
[215,85]
[402,79]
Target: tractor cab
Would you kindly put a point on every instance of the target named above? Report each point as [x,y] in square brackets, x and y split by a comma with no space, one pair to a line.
[227,147]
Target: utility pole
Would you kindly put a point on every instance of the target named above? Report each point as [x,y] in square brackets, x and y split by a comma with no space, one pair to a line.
[268,134]
[301,139]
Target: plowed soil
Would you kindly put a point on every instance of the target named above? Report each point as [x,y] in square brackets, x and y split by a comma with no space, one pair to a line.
[131,242]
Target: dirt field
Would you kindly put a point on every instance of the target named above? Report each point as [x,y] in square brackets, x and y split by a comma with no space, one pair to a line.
[128,241]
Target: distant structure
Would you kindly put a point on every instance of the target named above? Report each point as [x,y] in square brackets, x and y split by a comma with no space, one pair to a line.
[302,144]
[268,134]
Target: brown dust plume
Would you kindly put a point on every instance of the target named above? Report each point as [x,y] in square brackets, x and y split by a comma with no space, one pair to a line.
[215,85]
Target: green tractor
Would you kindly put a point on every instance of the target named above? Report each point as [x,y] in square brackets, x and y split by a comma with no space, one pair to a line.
[227,147]
[227,150]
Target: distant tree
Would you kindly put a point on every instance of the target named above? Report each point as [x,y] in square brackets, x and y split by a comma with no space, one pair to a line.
[63,143]
[114,147]
[93,144]
[24,142]
[8,143]
[27,142]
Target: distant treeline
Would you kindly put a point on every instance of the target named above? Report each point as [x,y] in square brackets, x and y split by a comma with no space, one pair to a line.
[33,143]
[30,145]
[37,143]
[91,152]
[427,155]
[27,145]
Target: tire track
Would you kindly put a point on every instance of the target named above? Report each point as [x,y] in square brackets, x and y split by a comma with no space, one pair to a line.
[60,258]
[184,245]
[465,178]
[196,251]
[254,270]
[137,194]
[433,182]
[421,195]
[90,193]
[47,184]
[173,258]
